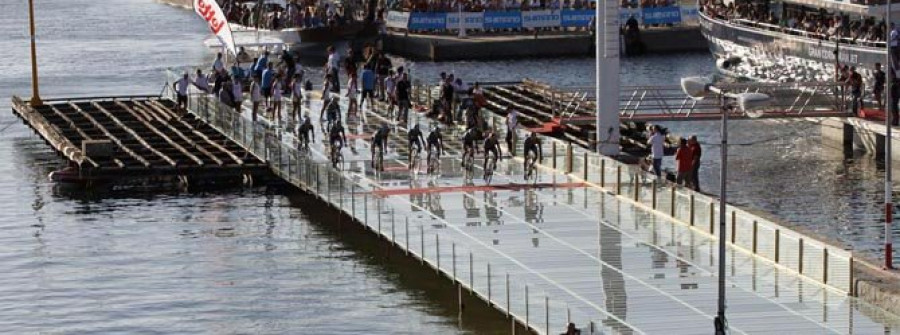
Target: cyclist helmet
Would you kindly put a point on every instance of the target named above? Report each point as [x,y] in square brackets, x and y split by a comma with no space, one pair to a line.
[416,127]
[437,129]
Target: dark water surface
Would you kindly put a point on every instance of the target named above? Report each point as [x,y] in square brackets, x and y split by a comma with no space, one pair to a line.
[265,261]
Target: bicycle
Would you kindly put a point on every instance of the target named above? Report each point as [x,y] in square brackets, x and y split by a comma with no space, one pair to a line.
[332,113]
[434,162]
[414,155]
[337,158]
[489,169]
[379,159]
[530,168]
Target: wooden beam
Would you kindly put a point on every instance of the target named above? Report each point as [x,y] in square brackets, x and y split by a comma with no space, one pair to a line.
[112,137]
[80,132]
[159,133]
[160,107]
[159,119]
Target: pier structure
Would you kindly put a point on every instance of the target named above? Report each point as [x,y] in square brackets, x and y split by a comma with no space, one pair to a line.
[589,241]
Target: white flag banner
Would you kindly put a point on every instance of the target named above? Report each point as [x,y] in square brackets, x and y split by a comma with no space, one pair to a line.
[210,11]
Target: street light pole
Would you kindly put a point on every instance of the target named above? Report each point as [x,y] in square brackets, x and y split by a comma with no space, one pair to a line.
[888,194]
[35,93]
[723,189]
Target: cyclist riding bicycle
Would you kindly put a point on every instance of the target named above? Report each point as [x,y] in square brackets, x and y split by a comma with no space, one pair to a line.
[379,140]
[306,132]
[468,139]
[338,139]
[435,140]
[491,146]
[532,149]
[415,138]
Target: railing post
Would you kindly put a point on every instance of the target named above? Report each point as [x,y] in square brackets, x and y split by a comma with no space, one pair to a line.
[637,188]
[602,172]
[353,200]
[800,266]
[437,250]
[825,265]
[407,235]
[471,272]
[569,158]
[546,314]
[712,217]
[755,235]
[733,226]
[692,210]
[490,301]
[554,154]
[585,166]
[508,313]
[777,245]
[379,219]
[618,179]
[453,248]
[527,310]
[422,239]
[653,194]
[393,237]
[672,202]
[366,210]
[852,292]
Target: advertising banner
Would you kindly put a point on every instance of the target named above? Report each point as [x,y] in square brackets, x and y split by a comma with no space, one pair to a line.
[661,15]
[540,18]
[576,17]
[210,11]
[471,20]
[427,21]
[502,20]
[397,19]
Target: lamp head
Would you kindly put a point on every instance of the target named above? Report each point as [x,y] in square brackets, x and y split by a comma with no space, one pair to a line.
[696,87]
[754,104]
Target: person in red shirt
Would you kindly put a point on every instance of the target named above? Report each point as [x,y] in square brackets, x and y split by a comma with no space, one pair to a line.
[684,159]
[696,152]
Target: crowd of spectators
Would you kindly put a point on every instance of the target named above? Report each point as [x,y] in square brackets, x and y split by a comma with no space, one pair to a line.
[648,3]
[296,14]
[809,22]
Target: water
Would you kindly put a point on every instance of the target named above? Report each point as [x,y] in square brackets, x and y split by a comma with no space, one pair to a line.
[264,261]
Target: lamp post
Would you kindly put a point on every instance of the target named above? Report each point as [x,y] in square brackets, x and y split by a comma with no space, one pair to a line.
[751,104]
[35,93]
[888,194]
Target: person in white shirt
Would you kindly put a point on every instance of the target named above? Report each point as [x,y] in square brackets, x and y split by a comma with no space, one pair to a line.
[181,90]
[895,47]
[296,97]
[512,122]
[657,149]
[201,82]
[255,96]
[219,65]
[331,68]
[237,90]
[276,98]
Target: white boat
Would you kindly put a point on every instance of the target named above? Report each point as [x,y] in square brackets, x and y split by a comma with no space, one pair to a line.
[771,51]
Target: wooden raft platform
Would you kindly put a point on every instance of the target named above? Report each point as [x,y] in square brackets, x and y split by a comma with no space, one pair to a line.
[135,137]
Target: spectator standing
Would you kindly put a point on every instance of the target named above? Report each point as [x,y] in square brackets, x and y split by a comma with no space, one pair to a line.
[297,97]
[512,121]
[261,64]
[331,69]
[255,97]
[684,160]
[237,91]
[268,77]
[201,82]
[181,89]
[878,80]
[368,87]
[895,46]
[696,152]
[855,82]
[657,150]
[402,91]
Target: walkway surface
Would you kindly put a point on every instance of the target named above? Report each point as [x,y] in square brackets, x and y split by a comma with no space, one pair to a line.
[558,249]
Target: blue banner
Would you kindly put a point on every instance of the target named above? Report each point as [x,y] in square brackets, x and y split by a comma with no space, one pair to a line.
[661,15]
[576,17]
[427,21]
[502,20]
